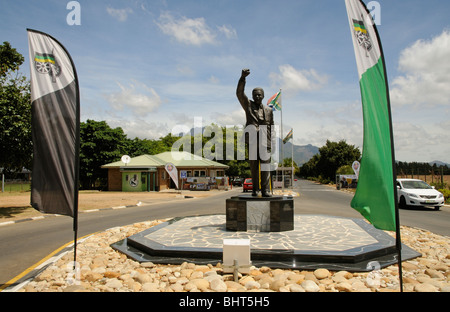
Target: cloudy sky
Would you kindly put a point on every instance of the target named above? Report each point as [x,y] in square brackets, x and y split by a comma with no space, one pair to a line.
[150,65]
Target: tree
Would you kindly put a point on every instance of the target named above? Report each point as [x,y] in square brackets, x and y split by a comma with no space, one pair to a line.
[99,145]
[334,155]
[10,59]
[15,112]
[309,169]
[331,156]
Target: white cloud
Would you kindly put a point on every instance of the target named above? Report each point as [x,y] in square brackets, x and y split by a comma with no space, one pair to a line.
[187,30]
[120,14]
[427,73]
[139,128]
[213,79]
[420,142]
[228,31]
[292,80]
[138,98]
[192,31]
[185,70]
[233,118]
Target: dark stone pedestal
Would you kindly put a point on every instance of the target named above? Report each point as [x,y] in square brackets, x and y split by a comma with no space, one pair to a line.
[260,214]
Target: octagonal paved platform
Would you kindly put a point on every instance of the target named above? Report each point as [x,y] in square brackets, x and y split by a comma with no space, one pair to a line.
[317,241]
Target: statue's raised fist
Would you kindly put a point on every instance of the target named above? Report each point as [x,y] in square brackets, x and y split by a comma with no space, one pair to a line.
[245,72]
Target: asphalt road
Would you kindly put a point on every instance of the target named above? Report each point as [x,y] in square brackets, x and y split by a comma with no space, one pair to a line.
[319,199]
[24,244]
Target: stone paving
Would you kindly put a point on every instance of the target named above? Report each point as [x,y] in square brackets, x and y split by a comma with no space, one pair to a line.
[311,232]
[316,241]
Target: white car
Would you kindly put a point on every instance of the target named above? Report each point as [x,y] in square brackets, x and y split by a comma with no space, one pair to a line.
[414,192]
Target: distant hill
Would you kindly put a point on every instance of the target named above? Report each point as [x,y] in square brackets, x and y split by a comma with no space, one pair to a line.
[302,153]
[438,163]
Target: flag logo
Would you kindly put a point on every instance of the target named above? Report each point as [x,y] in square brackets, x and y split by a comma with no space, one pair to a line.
[361,34]
[46,64]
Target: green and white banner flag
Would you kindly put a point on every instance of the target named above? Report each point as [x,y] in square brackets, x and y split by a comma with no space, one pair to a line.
[374,198]
[55,126]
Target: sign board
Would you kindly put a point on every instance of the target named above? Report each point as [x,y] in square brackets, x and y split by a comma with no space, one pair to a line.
[173,172]
[126,159]
[356,165]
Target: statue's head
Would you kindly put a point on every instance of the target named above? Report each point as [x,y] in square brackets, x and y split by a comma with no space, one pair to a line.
[258,95]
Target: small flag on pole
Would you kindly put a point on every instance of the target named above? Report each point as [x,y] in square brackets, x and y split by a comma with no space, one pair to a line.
[275,101]
[55,126]
[288,136]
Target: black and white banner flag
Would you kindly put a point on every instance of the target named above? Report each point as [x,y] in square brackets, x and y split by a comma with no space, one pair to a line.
[55,126]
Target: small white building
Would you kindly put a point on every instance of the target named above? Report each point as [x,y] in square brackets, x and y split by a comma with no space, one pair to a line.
[147,173]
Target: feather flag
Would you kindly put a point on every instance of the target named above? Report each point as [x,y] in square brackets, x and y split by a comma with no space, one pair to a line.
[55,126]
[374,198]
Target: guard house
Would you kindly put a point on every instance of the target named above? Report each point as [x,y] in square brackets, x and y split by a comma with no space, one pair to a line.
[277,177]
[147,173]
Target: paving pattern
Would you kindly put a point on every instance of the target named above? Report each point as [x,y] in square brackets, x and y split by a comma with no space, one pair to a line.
[317,241]
[311,232]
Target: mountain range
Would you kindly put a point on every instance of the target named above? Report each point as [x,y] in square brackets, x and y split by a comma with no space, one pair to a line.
[302,153]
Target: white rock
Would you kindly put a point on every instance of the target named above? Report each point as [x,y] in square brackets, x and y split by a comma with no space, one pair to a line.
[296,288]
[177,287]
[150,287]
[218,285]
[143,278]
[252,285]
[114,283]
[425,287]
[321,273]
[310,286]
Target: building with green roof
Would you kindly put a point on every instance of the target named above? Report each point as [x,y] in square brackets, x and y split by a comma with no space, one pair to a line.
[147,173]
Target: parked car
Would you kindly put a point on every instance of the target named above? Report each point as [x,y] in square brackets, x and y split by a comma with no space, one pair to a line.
[414,192]
[237,182]
[248,185]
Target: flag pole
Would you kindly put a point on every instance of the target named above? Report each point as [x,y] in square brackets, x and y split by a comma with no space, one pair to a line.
[292,160]
[77,169]
[282,149]
[398,241]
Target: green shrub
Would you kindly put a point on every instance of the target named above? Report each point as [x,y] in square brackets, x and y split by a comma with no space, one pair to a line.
[446,193]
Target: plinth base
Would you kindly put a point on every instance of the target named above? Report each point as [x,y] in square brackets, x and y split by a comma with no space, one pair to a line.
[333,243]
[260,214]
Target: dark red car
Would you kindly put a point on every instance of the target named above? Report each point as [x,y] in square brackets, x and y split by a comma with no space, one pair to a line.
[248,185]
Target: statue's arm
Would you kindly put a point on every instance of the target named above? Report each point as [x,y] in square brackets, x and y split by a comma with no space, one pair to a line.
[240,91]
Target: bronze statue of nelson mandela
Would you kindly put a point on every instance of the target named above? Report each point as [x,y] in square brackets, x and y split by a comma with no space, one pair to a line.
[258,135]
